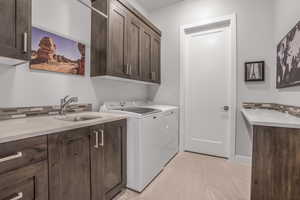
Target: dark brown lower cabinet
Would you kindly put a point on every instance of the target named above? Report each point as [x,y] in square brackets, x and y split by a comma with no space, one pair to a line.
[97,160]
[276,164]
[82,164]
[69,165]
[27,183]
[114,154]
[88,163]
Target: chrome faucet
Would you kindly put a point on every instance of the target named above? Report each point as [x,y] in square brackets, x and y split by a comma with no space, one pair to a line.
[122,103]
[65,102]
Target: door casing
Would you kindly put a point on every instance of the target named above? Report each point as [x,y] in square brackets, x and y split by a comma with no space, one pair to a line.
[229,21]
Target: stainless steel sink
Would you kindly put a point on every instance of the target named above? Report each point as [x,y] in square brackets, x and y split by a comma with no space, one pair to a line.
[77,118]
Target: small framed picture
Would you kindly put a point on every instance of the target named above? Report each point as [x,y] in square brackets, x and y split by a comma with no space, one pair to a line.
[255,71]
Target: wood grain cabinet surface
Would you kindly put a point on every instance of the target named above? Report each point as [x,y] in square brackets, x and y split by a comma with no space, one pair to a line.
[15,34]
[133,44]
[276,164]
[114,155]
[88,163]
[69,165]
[24,169]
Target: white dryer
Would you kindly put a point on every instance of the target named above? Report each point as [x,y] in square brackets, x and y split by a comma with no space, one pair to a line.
[152,139]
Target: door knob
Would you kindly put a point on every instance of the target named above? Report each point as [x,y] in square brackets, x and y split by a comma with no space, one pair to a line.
[226,108]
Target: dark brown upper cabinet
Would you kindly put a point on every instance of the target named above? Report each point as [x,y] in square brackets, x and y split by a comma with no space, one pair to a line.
[15,34]
[134,28]
[155,56]
[132,50]
[118,42]
[146,52]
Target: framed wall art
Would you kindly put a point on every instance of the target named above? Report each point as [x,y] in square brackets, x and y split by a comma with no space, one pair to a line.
[288,59]
[54,53]
[255,71]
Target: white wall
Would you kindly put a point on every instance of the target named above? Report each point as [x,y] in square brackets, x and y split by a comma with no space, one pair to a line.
[21,87]
[140,8]
[255,28]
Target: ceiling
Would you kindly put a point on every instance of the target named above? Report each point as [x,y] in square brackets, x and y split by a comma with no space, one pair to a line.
[156,4]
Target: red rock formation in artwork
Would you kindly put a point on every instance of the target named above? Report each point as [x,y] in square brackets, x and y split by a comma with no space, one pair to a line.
[45,58]
[47,50]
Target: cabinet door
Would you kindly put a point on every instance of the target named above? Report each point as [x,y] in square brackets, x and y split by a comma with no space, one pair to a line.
[28,183]
[99,39]
[118,41]
[69,165]
[146,55]
[15,17]
[21,153]
[97,162]
[155,58]
[134,47]
[114,150]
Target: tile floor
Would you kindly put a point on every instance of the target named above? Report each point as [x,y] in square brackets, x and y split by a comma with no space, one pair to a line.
[192,176]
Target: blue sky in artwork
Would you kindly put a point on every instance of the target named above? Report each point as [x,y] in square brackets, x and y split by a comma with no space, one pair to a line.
[65,47]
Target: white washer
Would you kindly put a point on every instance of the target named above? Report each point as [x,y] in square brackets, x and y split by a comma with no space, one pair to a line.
[170,130]
[152,139]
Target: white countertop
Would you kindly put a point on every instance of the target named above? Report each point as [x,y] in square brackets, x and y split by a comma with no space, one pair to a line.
[271,118]
[16,129]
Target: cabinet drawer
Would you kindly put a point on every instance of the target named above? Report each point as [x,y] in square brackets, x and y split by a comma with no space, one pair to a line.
[27,183]
[19,191]
[14,155]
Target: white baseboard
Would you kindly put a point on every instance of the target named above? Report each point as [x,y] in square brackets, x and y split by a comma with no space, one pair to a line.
[243,159]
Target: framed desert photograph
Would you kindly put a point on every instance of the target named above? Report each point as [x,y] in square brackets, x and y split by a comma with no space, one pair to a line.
[54,53]
[288,59]
[255,71]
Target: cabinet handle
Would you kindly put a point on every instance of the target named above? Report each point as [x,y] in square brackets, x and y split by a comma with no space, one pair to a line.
[12,157]
[19,196]
[97,139]
[102,138]
[130,69]
[127,69]
[153,76]
[25,42]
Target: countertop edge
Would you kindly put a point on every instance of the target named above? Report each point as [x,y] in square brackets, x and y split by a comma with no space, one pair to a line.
[268,124]
[57,130]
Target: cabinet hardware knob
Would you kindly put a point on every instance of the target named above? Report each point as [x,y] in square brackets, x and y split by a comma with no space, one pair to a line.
[12,157]
[25,42]
[102,138]
[97,139]
[19,196]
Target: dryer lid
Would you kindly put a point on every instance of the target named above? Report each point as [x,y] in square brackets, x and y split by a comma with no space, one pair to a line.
[139,110]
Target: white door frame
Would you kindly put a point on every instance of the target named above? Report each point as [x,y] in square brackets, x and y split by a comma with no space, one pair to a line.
[231,21]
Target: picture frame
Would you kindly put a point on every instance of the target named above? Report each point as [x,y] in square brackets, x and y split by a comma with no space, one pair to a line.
[55,53]
[288,59]
[255,71]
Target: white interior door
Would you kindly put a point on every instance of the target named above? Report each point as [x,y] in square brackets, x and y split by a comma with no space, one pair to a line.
[207,92]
